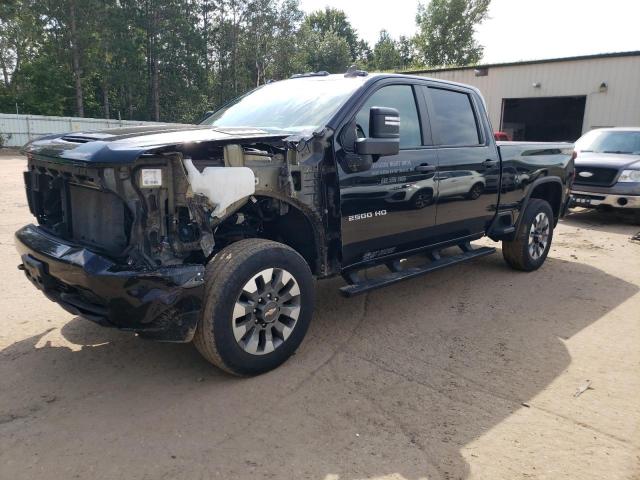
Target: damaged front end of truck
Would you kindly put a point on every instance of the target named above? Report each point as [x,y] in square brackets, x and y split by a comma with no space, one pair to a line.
[125,229]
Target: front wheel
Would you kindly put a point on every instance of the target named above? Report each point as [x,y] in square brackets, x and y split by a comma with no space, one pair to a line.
[422,198]
[259,298]
[475,191]
[531,245]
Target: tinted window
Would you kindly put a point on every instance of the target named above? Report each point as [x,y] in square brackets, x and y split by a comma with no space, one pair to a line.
[453,120]
[401,98]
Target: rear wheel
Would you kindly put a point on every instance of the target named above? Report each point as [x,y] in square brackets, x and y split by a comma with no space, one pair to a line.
[530,247]
[259,298]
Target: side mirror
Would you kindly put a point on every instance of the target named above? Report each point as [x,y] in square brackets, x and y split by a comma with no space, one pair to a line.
[206,115]
[384,133]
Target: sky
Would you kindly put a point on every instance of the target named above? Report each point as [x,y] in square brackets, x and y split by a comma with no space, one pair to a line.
[517,29]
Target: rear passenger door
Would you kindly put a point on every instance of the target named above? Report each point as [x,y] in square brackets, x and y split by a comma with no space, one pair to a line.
[466,202]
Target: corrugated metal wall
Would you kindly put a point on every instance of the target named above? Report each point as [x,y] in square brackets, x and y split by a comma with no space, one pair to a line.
[619,105]
[17,130]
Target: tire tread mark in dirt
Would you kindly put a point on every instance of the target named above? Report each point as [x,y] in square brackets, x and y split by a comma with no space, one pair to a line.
[311,375]
[515,402]
[411,435]
[341,347]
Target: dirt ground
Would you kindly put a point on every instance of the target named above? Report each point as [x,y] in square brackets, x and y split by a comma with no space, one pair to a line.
[468,372]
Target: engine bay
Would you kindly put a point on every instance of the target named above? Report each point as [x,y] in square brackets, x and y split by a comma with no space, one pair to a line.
[182,205]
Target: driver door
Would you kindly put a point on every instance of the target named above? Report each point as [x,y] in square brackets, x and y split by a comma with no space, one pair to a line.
[389,208]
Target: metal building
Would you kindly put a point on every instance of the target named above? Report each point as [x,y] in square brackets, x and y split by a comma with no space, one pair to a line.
[556,99]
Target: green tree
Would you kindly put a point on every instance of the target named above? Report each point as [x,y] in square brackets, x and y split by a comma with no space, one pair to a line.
[178,63]
[68,35]
[446,29]
[227,32]
[21,39]
[288,23]
[406,49]
[45,88]
[322,51]
[385,53]
[166,60]
[271,27]
[122,71]
[364,54]
[336,21]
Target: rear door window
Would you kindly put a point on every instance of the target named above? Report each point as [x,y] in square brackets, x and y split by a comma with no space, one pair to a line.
[453,119]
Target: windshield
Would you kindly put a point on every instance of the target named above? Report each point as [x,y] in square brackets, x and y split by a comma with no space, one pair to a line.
[610,141]
[290,106]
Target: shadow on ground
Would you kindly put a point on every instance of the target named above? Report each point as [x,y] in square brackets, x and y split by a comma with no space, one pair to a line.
[394,382]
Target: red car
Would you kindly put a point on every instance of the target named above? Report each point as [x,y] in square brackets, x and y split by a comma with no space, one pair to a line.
[501,136]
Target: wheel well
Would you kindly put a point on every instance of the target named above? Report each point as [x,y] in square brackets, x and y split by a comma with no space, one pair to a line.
[295,229]
[277,220]
[552,193]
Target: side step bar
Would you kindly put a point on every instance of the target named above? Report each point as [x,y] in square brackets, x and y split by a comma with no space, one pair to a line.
[357,286]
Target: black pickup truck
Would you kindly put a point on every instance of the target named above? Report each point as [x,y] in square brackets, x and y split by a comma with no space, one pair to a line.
[214,232]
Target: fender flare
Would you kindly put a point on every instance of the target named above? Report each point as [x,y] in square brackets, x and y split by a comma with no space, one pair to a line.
[532,187]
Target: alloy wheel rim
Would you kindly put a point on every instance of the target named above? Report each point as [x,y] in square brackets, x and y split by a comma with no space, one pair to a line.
[266,311]
[539,235]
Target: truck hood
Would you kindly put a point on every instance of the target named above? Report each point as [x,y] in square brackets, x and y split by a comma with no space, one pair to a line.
[125,145]
[607,160]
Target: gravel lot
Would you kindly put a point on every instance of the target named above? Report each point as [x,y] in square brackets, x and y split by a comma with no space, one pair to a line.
[469,372]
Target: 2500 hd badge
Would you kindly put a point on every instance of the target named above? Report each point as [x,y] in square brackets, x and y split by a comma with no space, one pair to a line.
[362,216]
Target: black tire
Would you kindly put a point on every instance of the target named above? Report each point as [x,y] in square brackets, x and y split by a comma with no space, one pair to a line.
[422,198]
[226,276]
[475,191]
[517,253]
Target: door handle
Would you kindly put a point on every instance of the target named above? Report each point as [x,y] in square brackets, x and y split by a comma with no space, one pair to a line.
[489,163]
[425,167]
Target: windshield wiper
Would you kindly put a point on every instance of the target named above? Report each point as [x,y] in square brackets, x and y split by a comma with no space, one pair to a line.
[615,151]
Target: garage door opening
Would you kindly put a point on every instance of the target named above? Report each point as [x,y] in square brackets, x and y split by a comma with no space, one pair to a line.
[546,119]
